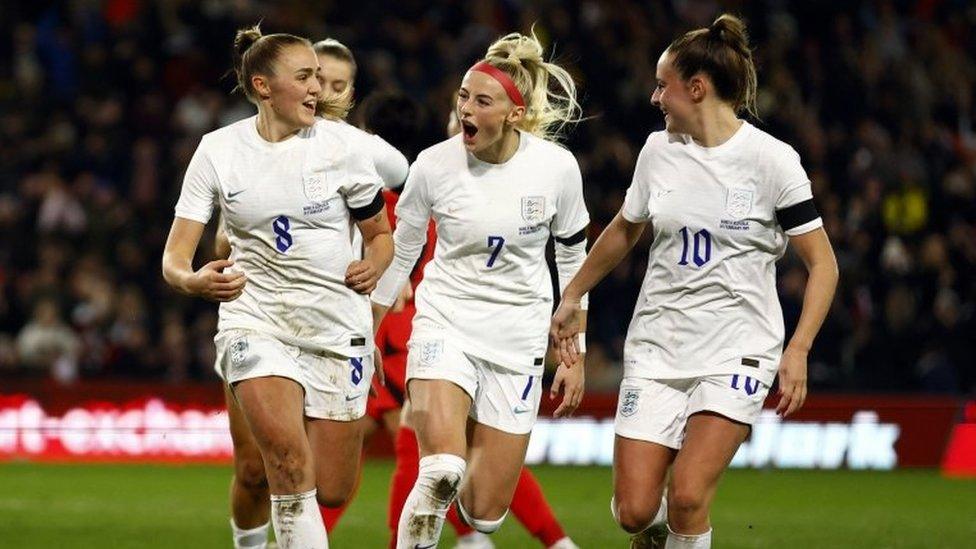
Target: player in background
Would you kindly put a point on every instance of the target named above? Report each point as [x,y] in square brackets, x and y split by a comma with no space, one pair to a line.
[249,485]
[496,192]
[529,504]
[723,200]
[338,77]
[290,187]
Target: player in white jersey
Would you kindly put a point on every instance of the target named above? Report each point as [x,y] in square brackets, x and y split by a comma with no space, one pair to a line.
[294,342]
[338,77]
[496,192]
[723,199]
[249,486]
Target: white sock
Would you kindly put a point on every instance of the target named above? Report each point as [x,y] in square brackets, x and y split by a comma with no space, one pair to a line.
[685,541]
[662,512]
[251,538]
[438,480]
[297,522]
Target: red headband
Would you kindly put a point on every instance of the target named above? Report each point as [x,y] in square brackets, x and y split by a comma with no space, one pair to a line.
[503,79]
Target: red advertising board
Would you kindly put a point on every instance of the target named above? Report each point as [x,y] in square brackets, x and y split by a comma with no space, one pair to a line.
[151,422]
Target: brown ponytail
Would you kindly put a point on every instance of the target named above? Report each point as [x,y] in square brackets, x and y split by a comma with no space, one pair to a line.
[722,52]
[255,53]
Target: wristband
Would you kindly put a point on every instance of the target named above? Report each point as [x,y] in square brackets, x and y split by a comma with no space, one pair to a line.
[581,342]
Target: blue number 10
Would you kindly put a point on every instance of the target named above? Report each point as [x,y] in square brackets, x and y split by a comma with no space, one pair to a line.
[702,248]
[497,242]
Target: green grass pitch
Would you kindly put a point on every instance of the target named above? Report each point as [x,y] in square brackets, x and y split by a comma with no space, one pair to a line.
[186,506]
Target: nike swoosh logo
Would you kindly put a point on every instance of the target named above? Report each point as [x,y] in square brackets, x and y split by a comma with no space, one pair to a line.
[520,411]
[664,192]
[351,398]
[418,546]
[230,196]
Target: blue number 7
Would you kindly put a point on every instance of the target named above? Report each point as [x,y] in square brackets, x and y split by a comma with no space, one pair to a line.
[497,242]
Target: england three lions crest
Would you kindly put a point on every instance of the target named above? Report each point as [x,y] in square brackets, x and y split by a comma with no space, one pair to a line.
[319,181]
[431,351]
[533,209]
[738,204]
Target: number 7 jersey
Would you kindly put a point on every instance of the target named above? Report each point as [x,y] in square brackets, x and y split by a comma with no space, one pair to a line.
[488,287]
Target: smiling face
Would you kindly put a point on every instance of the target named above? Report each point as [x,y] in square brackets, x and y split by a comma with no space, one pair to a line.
[293,90]
[485,111]
[673,96]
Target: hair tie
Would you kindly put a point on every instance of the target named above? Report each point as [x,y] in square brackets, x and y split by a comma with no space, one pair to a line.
[502,78]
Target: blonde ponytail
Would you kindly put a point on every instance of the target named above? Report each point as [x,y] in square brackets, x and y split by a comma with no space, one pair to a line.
[548,108]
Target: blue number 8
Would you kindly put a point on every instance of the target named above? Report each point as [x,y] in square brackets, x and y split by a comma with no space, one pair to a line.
[281,226]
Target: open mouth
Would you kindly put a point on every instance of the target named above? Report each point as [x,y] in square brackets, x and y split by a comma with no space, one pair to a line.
[469,129]
[310,105]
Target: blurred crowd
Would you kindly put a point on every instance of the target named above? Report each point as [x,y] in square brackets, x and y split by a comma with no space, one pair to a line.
[103,102]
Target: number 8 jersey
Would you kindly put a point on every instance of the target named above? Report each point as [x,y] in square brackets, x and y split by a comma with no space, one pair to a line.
[289,209]
[488,286]
[720,216]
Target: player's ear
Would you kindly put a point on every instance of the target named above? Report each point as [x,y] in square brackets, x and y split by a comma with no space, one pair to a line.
[515,115]
[696,87]
[261,86]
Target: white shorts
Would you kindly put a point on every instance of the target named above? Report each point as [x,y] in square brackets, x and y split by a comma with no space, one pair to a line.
[500,397]
[336,387]
[656,410]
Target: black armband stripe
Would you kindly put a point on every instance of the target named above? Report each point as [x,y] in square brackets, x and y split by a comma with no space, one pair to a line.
[572,240]
[369,210]
[797,214]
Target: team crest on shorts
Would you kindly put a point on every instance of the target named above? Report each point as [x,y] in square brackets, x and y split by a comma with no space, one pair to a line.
[238,351]
[430,351]
[738,203]
[629,402]
[533,208]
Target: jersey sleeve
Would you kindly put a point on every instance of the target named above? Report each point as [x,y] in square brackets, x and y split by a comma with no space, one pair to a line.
[201,188]
[390,164]
[414,204]
[795,211]
[571,217]
[635,208]
[412,212]
[363,187]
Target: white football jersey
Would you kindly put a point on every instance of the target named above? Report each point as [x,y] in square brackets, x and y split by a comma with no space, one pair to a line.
[488,285]
[720,216]
[289,209]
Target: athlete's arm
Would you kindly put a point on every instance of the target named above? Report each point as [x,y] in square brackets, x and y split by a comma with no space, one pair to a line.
[814,249]
[362,275]
[610,248]
[209,281]
[410,240]
[413,214]
[570,377]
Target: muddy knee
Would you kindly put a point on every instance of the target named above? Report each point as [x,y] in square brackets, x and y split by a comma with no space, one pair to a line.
[250,475]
